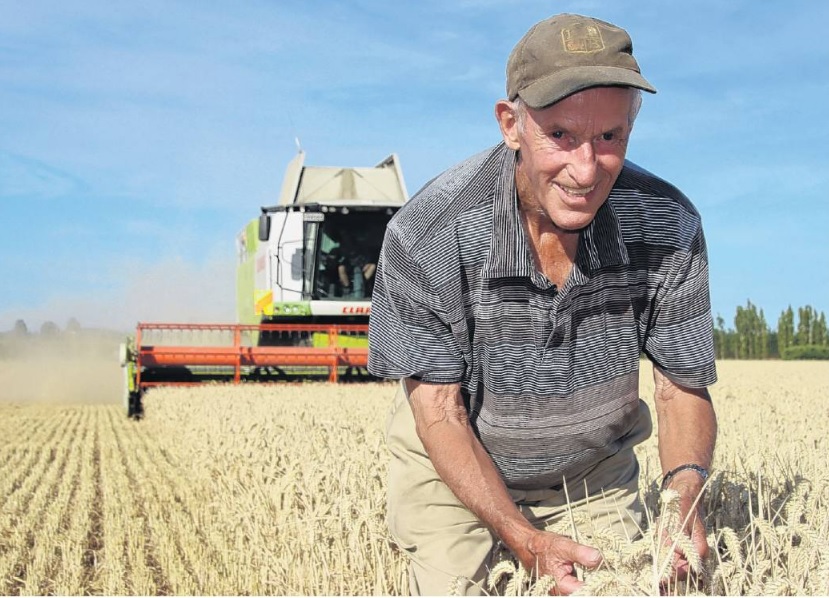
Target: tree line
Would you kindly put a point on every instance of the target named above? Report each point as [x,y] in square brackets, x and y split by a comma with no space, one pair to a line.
[752,337]
[47,329]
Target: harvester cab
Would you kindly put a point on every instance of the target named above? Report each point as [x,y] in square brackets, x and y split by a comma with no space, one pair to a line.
[311,258]
[305,273]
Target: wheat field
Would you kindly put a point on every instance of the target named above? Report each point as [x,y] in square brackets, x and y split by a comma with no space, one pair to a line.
[225,490]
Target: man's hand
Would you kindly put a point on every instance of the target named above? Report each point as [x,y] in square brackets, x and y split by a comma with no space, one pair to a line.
[688,485]
[555,555]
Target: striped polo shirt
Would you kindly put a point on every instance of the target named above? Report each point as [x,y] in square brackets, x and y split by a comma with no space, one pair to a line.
[549,375]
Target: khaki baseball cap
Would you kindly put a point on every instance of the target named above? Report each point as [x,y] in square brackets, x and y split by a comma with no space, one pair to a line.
[568,53]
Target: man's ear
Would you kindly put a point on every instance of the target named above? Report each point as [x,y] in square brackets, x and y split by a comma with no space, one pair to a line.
[508,122]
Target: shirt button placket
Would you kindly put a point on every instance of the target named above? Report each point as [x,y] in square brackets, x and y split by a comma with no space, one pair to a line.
[553,316]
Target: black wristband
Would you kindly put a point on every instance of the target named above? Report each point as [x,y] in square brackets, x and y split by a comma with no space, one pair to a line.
[692,466]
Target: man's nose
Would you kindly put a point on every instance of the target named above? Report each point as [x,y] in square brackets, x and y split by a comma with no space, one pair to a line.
[583,166]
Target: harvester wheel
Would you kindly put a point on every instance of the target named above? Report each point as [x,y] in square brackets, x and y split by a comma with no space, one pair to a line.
[135,409]
[358,374]
[269,374]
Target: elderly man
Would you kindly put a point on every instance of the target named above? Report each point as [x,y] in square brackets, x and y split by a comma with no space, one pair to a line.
[513,298]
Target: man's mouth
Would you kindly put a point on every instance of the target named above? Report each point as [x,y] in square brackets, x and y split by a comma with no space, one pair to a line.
[575,191]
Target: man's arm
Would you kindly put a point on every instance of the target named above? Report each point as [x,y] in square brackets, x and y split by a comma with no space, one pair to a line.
[464,465]
[687,434]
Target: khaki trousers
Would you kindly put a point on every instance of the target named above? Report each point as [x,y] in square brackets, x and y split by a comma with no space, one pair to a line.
[447,544]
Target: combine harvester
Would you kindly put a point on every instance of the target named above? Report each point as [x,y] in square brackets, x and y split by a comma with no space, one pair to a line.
[304,278]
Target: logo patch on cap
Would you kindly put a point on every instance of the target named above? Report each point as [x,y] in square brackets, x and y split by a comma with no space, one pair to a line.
[582,39]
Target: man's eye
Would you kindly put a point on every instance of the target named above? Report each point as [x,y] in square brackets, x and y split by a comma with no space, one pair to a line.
[557,134]
[608,136]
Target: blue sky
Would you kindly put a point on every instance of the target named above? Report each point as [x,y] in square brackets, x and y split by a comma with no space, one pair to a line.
[137,138]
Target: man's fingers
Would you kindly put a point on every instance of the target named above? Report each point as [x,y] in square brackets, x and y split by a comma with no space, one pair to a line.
[568,584]
[586,556]
[578,554]
[571,551]
[559,550]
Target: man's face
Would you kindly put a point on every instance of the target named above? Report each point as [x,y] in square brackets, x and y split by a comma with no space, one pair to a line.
[570,153]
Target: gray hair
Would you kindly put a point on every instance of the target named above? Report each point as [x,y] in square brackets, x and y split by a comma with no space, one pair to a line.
[519,108]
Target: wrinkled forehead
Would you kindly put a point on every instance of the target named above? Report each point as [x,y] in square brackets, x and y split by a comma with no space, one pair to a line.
[602,108]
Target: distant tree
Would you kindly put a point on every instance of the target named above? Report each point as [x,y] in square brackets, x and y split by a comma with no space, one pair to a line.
[725,340]
[752,332]
[785,330]
[805,321]
[49,329]
[820,336]
[20,328]
[774,347]
[762,350]
[742,327]
[720,338]
[73,326]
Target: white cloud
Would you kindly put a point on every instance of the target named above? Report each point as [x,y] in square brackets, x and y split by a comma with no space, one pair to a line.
[29,179]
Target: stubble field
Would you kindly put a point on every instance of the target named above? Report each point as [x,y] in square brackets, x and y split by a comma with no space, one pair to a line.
[280,490]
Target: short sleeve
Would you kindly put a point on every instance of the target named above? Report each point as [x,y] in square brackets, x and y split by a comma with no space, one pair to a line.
[408,334]
[680,337]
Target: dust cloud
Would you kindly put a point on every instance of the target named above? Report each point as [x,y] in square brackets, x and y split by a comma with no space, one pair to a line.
[168,290]
[65,370]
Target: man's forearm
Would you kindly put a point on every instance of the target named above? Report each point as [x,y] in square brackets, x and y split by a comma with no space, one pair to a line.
[465,467]
[687,428]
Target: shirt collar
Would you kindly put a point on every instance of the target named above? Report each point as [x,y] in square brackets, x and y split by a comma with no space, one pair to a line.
[600,244]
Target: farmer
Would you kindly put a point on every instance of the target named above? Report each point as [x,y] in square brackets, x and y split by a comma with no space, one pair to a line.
[513,298]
